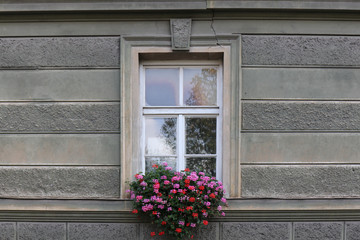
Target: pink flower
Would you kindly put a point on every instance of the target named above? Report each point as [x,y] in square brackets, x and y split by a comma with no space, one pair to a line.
[163,177]
[193,225]
[181,223]
[165,164]
[219,208]
[169,209]
[208,204]
[166,182]
[223,214]
[138,198]
[138,176]
[168,168]
[176,185]
[223,200]
[143,183]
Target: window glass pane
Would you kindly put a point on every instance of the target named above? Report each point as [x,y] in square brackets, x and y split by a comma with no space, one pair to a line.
[162,86]
[149,161]
[200,86]
[160,136]
[206,165]
[200,135]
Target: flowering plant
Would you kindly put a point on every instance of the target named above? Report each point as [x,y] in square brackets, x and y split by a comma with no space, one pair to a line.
[177,202]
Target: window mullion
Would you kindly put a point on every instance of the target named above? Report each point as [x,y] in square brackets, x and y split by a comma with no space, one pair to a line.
[181,86]
[181,142]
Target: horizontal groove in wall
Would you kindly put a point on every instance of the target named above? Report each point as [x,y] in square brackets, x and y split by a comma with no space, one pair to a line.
[300,131]
[299,100]
[244,66]
[59,132]
[300,163]
[307,148]
[60,149]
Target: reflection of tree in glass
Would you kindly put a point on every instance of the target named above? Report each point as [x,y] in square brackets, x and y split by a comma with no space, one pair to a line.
[168,130]
[203,91]
[201,135]
[206,165]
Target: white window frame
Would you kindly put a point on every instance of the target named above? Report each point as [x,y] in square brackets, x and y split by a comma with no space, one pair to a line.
[181,112]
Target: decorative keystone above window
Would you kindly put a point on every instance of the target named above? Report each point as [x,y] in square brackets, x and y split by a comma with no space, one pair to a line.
[180,33]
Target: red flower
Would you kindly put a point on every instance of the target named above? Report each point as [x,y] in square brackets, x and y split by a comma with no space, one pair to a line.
[187,170]
[205,222]
[135,211]
[178,230]
[195,215]
[192,199]
[163,223]
[187,181]
[161,233]
[189,208]
[192,236]
[188,224]
[212,195]
[159,194]
[156,185]
[201,188]
[155,166]
[154,212]
[152,234]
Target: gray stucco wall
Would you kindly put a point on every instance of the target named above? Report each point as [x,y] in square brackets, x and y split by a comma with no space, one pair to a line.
[299,116]
[60,117]
[60,114]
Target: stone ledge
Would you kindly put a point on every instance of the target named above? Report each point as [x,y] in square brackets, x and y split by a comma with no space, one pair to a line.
[149,5]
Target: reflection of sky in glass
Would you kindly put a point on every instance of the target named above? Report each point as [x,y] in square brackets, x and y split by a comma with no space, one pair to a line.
[160,136]
[162,86]
[200,86]
[200,135]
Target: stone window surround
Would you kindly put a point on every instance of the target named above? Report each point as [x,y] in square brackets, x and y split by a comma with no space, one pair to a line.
[131,115]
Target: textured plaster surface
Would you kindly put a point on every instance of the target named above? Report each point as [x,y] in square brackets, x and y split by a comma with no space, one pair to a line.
[317,231]
[300,181]
[352,230]
[301,50]
[301,116]
[256,231]
[7,231]
[59,117]
[181,31]
[41,231]
[59,182]
[108,231]
[59,52]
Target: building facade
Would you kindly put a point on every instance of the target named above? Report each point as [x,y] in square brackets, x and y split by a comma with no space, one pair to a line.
[266,98]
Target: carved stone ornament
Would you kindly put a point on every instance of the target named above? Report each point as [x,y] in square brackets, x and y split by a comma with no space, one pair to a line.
[180,33]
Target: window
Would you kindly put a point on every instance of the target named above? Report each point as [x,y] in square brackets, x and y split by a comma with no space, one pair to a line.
[181,115]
